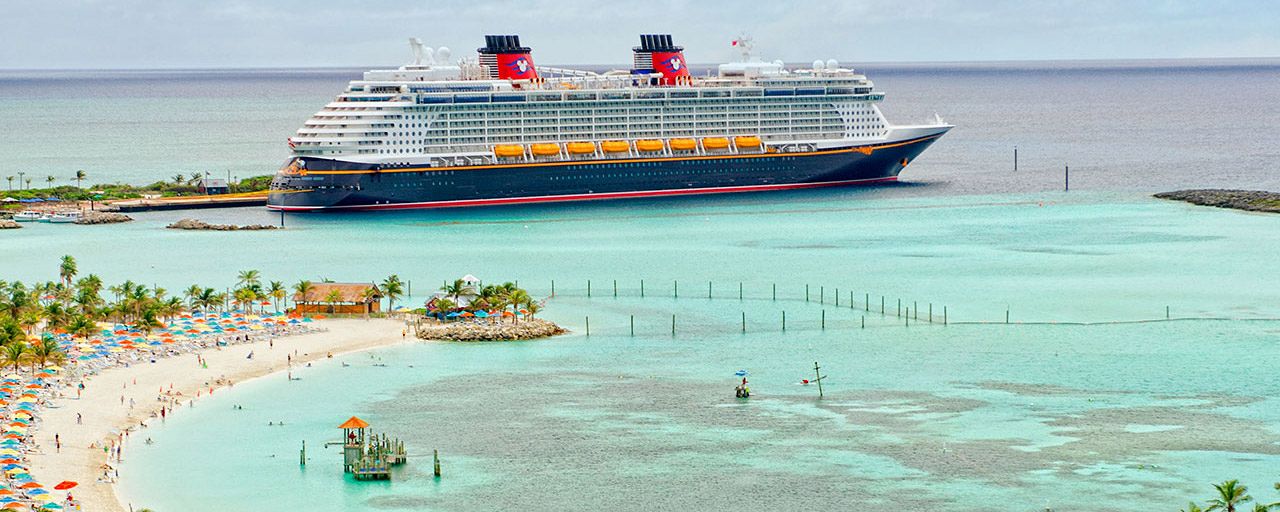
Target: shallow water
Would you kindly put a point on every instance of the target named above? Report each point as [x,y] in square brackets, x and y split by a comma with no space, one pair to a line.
[916,415]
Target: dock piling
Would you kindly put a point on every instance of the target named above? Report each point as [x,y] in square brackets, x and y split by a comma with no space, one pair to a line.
[784,321]
[553,287]
[915,306]
[675,289]
[633,326]
[930,312]
[615,288]
[588,326]
[302,455]
[744,322]
[708,289]
[822,295]
[435,466]
[775,291]
[739,290]
[588,288]
[864,321]
[642,288]
[837,294]
[824,320]
[673,324]
[806,293]
[944,315]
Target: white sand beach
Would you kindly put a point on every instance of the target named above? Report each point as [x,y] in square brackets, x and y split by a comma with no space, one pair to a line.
[103,411]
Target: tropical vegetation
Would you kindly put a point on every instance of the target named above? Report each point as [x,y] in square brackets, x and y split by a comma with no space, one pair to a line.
[488,298]
[1229,496]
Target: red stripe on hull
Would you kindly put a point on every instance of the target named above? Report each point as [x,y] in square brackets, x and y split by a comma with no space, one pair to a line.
[584,197]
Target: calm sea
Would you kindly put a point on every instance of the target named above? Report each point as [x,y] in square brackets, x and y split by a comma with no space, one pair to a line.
[1144,125]
[1070,413]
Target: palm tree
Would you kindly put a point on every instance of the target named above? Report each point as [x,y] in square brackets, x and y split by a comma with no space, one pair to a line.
[195,178]
[16,353]
[45,351]
[147,321]
[192,294]
[67,269]
[367,295]
[454,290]
[56,316]
[278,292]
[1192,507]
[304,289]
[533,307]
[80,176]
[49,180]
[245,296]
[29,180]
[178,179]
[392,290]
[333,298]
[10,178]
[443,306]
[81,326]
[1230,494]
[249,277]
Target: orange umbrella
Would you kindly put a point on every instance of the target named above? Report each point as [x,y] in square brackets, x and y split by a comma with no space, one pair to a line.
[5,492]
[354,422]
[13,505]
[30,485]
[66,484]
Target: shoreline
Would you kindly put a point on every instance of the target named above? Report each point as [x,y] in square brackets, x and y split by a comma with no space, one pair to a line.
[106,401]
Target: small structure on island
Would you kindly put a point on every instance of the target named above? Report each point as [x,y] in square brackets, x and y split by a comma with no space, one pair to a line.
[340,298]
[213,186]
[461,293]
[366,455]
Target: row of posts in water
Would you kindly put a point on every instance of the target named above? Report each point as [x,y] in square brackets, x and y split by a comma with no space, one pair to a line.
[1066,171]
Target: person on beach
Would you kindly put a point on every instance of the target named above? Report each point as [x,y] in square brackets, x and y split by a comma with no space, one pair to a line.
[57,443]
[79,419]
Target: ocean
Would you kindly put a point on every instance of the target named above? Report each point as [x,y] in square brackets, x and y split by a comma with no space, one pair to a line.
[1088,399]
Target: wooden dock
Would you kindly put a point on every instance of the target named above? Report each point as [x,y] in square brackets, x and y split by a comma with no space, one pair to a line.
[191,202]
[369,456]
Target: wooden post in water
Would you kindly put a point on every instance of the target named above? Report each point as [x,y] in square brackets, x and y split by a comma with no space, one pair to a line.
[899,308]
[915,306]
[588,326]
[944,315]
[1066,178]
[675,289]
[1015,159]
[1166,312]
[775,291]
[588,288]
[553,287]
[410,283]
[806,293]
[739,290]
[824,320]
[435,466]
[837,297]
[302,456]
[744,322]
[615,288]
[882,305]
[633,326]
[906,319]
[930,312]
[673,324]
[784,321]
[866,302]
[817,378]
[822,295]
[864,321]
[708,289]
[642,288]
[1006,315]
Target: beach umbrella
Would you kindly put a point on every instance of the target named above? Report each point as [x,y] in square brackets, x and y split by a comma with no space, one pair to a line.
[30,485]
[481,314]
[66,484]
[5,492]
[37,492]
[13,505]
[11,466]
[51,506]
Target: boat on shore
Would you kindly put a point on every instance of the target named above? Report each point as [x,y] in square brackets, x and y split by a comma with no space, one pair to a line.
[68,217]
[28,216]
[496,129]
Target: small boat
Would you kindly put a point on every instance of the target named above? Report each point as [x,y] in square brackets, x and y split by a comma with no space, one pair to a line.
[27,216]
[65,217]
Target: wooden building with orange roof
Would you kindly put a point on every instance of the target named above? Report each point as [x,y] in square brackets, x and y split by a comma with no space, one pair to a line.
[340,298]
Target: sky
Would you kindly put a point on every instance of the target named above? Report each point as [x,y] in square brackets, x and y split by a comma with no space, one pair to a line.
[153,34]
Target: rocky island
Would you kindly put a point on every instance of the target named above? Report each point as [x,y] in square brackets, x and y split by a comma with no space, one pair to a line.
[527,329]
[1249,200]
[199,225]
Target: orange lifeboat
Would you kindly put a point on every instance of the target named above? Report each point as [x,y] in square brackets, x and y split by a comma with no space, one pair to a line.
[581,148]
[747,141]
[545,149]
[649,145]
[509,150]
[715,143]
[684,144]
[615,146]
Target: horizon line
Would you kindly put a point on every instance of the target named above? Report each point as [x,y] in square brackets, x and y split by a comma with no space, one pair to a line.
[621,66]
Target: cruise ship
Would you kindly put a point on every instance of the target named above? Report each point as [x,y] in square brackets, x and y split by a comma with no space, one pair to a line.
[497,129]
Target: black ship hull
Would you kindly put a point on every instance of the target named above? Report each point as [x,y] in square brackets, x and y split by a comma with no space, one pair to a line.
[318,184]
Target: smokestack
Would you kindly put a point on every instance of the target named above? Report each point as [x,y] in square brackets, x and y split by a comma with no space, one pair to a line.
[505,59]
[658,54]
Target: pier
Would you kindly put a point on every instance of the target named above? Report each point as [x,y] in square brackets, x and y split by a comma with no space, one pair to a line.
[366,455]
[190,202]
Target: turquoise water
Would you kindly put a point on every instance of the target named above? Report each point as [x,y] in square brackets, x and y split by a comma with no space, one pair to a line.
[916,416]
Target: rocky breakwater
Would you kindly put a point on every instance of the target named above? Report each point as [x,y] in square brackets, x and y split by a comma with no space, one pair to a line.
[9,224]
[94,217]
[1250,200]
[199,225]
[528,329]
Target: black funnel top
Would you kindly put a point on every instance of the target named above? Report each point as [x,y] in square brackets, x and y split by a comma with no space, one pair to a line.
[503,44]
[657,43]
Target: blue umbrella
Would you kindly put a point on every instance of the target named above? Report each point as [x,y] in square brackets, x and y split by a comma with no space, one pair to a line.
[740,373]
[454,314]
[482,314]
